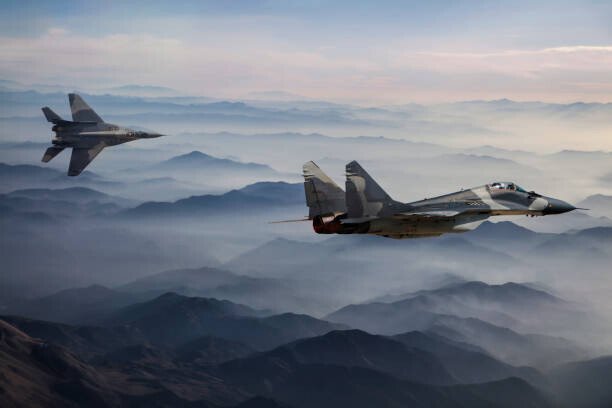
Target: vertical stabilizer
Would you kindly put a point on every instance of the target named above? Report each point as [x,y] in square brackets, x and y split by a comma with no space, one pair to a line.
[323,196]
[52,116]
[364,197]
[81,112]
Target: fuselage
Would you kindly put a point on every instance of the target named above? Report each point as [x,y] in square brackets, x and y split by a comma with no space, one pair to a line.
[84,134]
[460,211]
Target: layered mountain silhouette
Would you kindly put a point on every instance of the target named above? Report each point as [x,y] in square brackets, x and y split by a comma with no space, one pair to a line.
[583,383]
[352,368]
[465,362]
[172,319]
[250,199]
[463,312]
[198,161]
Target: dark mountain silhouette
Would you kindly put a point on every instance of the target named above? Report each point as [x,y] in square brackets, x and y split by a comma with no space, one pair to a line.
[209,350]
[78,305]
[584,383]
[37,373]
[198,161]
[592,244]
[21,176]
[45,374]
[251,199]
[333,386]
[260,402]
[599,234]
[465,362]
[56,209]
[278,374]
[171,320]
[503,230]
[507,305]
[536,350]
[81,195]
[262,293]
[191,280]
[356,348]
[448,312]
[85,341]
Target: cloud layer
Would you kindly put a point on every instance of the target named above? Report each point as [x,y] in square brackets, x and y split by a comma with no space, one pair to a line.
[366,56]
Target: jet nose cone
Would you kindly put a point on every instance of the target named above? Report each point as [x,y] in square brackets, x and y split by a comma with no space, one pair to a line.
[151,135]
[558,207]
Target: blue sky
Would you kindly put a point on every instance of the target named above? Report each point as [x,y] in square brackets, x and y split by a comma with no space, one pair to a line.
[363,52]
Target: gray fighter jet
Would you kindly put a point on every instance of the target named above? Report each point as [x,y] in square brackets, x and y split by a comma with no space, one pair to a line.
[365,208]
[87,134]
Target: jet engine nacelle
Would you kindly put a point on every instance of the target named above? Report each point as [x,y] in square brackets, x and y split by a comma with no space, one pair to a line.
[332,224]
[327,224]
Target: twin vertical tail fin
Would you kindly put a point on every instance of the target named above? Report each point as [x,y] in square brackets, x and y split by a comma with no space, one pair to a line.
[81,111]
[52,116]
[364,197]
[323,196]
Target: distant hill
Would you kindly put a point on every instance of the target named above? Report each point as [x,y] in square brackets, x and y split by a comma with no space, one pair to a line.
[81,195]
[584,383]
[64,203]
[143,90]
[262,293]
[190,280]
[497,303]
[574,246]
[212,350]
[76,305]
[86,341]
[466,362]
[198,161]
[291,374]
[356,348]
[535,350]
[172,319]
[250,199]
[25,176]
[464,313]
[598,204]
[46,375]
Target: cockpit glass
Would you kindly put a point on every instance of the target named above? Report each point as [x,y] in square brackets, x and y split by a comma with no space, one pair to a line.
[504,185]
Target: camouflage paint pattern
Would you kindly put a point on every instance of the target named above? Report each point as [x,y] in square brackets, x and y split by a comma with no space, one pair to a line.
[367,209]
[87,134]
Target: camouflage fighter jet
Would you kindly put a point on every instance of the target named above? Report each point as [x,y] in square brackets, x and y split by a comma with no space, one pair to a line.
[87,134]
[365,208]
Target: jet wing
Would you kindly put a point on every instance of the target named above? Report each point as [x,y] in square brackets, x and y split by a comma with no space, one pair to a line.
[81,157]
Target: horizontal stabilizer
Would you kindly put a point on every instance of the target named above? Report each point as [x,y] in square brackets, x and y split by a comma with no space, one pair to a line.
[81,157]
[51,153]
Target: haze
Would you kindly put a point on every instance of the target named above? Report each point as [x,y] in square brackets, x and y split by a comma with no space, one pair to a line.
[155,277]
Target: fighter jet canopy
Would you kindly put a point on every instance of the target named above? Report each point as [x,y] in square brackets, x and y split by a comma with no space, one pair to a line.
[506,185]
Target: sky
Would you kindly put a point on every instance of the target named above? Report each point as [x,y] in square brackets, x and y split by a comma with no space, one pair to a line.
[372,53]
